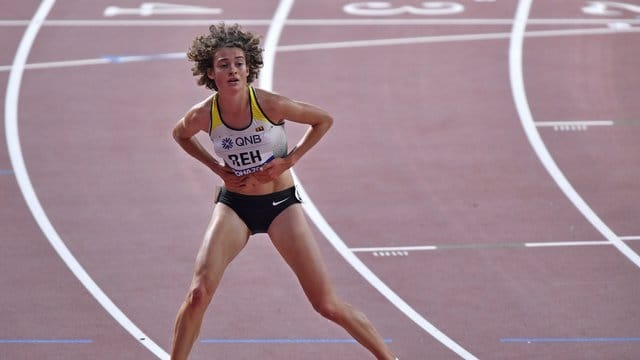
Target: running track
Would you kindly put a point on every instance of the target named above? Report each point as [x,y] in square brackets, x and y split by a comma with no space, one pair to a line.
[477,197]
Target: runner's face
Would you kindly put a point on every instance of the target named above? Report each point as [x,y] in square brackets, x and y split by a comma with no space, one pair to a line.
[229,69]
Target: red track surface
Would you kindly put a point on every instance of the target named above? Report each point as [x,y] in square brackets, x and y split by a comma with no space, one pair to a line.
[427,149]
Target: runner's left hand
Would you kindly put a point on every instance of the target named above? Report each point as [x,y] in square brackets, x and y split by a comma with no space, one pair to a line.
[271,170]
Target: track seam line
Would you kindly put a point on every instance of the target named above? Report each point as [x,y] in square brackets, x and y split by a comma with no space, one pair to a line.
[333,45]
[413,248]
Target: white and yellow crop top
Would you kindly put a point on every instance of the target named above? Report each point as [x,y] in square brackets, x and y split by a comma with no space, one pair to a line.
[246,150]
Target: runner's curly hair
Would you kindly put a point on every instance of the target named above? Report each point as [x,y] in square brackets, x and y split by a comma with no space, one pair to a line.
[205,46]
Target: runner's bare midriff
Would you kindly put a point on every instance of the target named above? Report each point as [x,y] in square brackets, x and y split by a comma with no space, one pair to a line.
[254,187]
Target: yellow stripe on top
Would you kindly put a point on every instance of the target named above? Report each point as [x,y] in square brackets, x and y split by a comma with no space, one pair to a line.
[255,108]
[215,114]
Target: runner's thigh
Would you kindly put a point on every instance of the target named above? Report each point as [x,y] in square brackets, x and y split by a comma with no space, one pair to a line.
[292,237]
[225,237]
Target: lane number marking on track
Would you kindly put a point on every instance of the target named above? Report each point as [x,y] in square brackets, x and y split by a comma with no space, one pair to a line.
[377,8]
[435,8]
[154,8]
[605,8]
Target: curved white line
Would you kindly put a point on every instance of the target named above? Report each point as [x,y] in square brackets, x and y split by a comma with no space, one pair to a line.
[271,46]
[271,43]
[526,118]
[28,192]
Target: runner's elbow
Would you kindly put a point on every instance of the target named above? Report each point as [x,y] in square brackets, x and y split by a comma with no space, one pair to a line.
[178,132]
[326,121]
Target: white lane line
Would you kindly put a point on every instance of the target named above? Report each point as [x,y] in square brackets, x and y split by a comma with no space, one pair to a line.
[334,45]
[574,123]
[271,42]
[321,22]
[567,243]
[394,248]
[60,64]
[451,38]
[28,192]
[526,118]
[386,249]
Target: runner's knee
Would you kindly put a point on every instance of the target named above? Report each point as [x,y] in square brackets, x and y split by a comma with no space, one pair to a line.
[200,295]
[329,308]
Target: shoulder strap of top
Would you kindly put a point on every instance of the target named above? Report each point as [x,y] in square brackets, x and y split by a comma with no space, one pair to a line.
[256,111]
[215,114]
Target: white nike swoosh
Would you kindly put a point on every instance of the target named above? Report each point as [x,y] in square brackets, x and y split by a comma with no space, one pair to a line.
[276,203]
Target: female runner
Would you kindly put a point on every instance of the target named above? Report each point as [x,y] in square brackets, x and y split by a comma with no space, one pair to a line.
[258,196]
